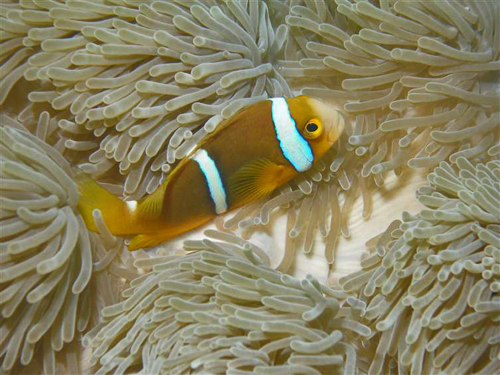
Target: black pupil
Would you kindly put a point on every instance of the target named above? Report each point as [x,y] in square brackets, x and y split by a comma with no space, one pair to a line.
[311,128]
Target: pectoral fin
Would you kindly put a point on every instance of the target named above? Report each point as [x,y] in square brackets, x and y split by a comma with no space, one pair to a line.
[257,179]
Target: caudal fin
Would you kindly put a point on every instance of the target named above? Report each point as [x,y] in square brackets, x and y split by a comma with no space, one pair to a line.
[115,212]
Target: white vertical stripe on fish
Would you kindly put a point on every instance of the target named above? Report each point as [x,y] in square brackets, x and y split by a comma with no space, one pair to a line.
[214,181]
[294,147]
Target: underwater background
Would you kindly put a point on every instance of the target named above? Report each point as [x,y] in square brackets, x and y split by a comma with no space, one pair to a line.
[384,258]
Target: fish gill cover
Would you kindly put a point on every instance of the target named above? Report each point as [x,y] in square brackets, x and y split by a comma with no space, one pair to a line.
[125,88]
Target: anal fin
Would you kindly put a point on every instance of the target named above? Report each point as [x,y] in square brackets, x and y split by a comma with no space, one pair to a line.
[142,241]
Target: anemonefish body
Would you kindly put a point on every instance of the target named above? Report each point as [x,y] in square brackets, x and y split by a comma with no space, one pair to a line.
[250,155]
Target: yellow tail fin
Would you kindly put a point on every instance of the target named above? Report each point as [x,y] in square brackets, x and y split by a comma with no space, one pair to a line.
[116,214]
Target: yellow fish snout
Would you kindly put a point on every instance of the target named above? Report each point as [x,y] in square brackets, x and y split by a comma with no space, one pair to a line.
[332,119]
[337,128]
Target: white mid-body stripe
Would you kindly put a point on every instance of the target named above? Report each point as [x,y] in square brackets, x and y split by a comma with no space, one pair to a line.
[214,181]
[294,147]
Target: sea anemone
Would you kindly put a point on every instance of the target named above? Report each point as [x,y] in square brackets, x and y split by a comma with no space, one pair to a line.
[425,64]
[126,88]
[141,83]
[47,255]
[219,308]
[429,287]
[414,78]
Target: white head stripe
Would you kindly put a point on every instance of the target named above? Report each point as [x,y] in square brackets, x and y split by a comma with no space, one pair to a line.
[214,181]
[294,147]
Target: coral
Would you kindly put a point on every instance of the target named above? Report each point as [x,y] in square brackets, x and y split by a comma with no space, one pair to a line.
[429,286]
[221,309]
[47,255]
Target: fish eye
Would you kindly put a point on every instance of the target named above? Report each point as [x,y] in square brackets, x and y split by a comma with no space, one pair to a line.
[313,129]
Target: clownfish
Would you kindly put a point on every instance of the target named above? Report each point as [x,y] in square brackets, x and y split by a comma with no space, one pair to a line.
[251,154]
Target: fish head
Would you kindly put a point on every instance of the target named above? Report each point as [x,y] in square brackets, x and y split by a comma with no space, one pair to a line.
[320,124]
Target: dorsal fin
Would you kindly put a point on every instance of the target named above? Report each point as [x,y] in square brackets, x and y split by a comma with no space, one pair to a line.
[150,207]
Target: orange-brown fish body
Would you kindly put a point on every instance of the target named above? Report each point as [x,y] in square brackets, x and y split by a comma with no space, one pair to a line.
[247,158]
